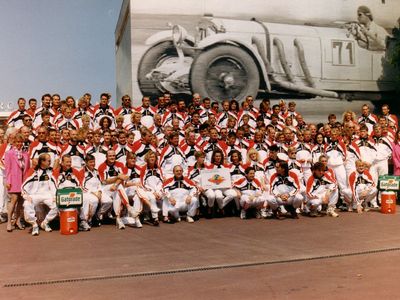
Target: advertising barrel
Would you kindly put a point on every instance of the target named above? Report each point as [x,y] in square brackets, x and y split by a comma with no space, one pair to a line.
[69,200]
[388,202]
[68,221]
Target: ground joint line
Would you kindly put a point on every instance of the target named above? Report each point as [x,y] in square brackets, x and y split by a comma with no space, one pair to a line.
[196,269]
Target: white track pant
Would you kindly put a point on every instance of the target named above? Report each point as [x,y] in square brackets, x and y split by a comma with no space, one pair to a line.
[29,208]
[250,199]
[341,178]
[106,202]
[379,168]
[314,203]
[89,206]
[3,194]
[154,206]
[358,199]
[180,206]
[223,197]
[114,198]
[295,201]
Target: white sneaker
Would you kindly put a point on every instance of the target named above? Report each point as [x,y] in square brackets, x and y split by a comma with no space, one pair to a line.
[119,223]
[46,227]
[138,224]
[189,219]
[84,226]
[35,230]
[331,212]
[264,213]
[374,205]
[178,219]
[243,214]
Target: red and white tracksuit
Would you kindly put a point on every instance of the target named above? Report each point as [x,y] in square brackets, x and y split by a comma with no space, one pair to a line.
[252,194]
[280,185]
[39,187]
[337,153]
[179,190]
[318,189]
[359,183]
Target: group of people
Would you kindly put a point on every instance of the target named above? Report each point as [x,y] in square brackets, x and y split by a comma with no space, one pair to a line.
[148,163]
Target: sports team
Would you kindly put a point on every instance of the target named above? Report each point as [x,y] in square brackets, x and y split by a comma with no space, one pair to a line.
[148,164]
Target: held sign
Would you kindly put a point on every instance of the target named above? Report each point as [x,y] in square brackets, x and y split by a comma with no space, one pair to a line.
[69,197]
[216,179]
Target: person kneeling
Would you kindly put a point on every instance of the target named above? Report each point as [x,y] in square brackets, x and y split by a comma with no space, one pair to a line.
[251,193]
[180,197]
[362,188]
[321,189]
[285,189]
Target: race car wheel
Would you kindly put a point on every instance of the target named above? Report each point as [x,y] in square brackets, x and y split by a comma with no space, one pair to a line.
[153,58]
[224,72]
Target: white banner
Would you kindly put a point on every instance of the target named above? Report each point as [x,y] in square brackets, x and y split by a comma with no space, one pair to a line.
[215,179]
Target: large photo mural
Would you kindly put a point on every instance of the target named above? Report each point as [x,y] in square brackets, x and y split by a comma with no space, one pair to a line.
[224,50]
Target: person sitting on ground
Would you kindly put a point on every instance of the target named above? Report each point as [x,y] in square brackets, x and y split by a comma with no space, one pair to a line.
[40,187]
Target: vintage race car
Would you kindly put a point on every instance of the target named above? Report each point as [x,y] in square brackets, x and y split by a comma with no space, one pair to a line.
[230,59]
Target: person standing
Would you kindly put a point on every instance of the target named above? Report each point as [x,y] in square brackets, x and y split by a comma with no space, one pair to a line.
[396,154]
[16,164]
[16,117]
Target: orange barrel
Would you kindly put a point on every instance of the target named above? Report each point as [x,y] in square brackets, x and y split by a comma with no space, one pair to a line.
[388,202]
[69,221]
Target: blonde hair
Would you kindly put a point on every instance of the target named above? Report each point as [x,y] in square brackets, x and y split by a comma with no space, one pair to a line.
[250,152]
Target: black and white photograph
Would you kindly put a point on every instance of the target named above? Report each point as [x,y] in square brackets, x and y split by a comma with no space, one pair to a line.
[199,149]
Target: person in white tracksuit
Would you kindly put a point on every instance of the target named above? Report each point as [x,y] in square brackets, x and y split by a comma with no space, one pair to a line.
[40,187]
[336,152]
[68,177]
[180,196]
[92,191]
[151,179]
[321,189]
[112,174]
[253,193]
[362,189]
[383,154]
[285,189]
[134,188]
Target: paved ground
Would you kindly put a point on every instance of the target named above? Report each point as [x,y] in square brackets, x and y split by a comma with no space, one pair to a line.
[354,256]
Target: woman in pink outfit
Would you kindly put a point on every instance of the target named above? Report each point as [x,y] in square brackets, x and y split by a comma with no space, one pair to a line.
[16,163]
[396,154]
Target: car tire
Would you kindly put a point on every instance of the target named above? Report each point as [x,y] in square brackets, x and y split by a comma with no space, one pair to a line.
[152,58]
[224,72]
